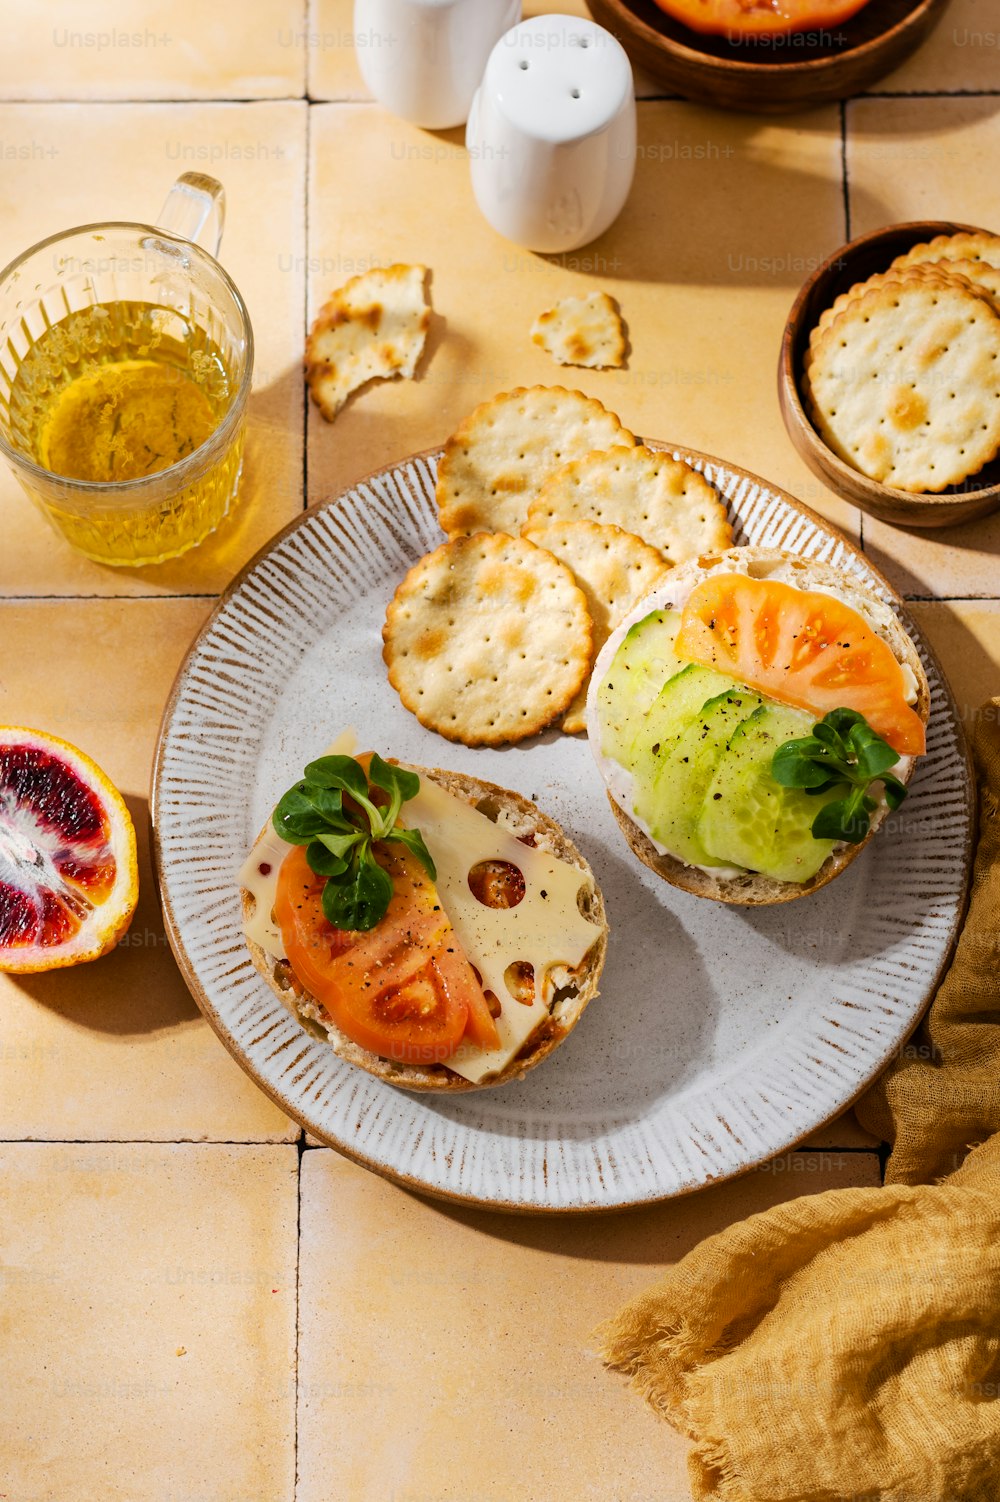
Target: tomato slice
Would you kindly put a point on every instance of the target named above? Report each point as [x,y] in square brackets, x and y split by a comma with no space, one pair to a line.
[747,18]
[800,647]
[404,989]
[480,1028]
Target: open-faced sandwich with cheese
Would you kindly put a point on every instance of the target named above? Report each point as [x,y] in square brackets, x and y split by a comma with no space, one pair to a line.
[440,932]
[754,719]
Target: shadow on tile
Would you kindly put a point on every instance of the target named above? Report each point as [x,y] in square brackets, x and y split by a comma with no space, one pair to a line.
[938,560]
[970,662]
[651,242]
[728,250]
[666,1232]
[135,989]
[889,117]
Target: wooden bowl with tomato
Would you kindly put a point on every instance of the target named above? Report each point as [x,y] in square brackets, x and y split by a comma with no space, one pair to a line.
[975,497]
[769,56]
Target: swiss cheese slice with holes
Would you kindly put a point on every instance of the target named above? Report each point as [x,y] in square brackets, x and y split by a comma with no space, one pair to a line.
[547,930]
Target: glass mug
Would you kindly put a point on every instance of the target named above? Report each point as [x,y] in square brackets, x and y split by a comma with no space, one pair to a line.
[126,355]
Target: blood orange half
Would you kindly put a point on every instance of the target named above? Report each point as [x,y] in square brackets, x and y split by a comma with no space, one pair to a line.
[736,19]
[68,876]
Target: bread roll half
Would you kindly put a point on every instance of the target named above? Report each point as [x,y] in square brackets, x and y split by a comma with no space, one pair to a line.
[750,889]
[521,818]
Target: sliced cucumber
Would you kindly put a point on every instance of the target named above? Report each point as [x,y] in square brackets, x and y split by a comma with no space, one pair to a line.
[670,804]
[748,819]
[678,702]
[643,663]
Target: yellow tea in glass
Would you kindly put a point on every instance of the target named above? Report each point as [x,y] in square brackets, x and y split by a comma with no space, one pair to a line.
[123,384]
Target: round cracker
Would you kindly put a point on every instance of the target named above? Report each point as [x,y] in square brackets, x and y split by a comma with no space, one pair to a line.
[487,639]
[924,271]
[495,463]
[967,245]
[665,502]
[980,273]
[615,569]
[905,385]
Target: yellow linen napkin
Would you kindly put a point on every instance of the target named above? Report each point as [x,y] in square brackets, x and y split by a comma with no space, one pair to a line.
[845,1346]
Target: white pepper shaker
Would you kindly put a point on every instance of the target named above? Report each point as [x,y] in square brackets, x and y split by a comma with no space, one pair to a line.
[552,133]
[423,59]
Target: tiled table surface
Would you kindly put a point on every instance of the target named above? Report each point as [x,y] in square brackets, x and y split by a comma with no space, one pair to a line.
[198,1306]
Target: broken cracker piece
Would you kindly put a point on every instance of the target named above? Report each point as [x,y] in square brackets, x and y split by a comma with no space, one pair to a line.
[373,328]
[585,331]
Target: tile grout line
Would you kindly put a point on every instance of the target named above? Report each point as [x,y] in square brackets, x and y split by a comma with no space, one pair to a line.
[845,188]
[298,1315]
[306,97]
[150,1141]
[301,1141]
[928,94]
[306,395]
[71,101]
[22,599]
[303,1147]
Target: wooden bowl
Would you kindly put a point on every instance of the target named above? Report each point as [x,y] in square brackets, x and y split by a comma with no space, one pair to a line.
[775,75]
[976,496]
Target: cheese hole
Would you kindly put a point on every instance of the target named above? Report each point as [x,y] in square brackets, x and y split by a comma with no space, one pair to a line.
[493,1002]
[497,884]
[519,978]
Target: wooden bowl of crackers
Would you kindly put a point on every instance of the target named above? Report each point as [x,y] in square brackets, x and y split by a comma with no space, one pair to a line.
[889,376]
[770,74]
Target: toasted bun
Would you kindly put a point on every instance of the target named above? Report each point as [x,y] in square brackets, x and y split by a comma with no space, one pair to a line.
[521,817]
[751,889]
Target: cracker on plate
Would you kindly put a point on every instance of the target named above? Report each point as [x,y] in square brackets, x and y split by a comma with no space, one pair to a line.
[487,639]
[615,569]
[373,327]
[967,245]
[662,500]
[585,331]
[496,462]
[905,384]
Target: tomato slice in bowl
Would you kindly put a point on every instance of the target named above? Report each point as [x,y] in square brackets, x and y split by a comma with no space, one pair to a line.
[801,647]
[404,989]
[747,18]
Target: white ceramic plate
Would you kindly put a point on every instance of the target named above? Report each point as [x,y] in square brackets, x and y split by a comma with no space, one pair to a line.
[722,1035]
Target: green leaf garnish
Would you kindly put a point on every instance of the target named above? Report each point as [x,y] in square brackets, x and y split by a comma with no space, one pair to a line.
[414,842]
[323,861]
[360,897]
[296,817]
[340,840]
[843,751]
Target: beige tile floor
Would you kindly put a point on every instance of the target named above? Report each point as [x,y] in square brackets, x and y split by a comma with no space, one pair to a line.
[155,1206]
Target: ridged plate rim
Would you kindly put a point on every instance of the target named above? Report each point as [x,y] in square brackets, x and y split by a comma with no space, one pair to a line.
[735,483]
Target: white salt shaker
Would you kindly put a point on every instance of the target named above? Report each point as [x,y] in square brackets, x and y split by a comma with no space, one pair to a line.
[552,133]
[422,59]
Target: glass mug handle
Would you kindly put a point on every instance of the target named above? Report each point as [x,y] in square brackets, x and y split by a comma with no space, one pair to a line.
[195,210]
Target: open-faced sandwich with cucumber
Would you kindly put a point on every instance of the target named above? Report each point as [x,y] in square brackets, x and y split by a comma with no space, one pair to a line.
[755,719]
[440,932]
